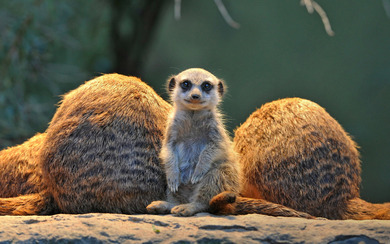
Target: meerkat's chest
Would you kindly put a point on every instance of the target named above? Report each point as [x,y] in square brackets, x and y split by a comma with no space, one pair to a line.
[189,149]
[188,152]
[190,140]
[189,143]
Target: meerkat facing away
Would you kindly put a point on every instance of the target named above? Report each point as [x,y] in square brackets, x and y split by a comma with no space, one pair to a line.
[99,153]
[19,172]
[196,152]
[294,154]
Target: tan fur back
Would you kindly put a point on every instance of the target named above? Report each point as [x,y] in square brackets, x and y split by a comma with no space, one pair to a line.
[295,154]
[19,171]
[101,149]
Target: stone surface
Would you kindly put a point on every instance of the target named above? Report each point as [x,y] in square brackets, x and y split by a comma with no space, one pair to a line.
[201,228]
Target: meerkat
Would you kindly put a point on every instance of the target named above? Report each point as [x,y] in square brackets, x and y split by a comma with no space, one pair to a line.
[19,172]
[196,151]
[99,153]
[22,189]
[294,155]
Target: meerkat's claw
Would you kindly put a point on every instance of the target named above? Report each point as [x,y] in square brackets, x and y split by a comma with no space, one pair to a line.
[196,178]
[198,174]
[173,184]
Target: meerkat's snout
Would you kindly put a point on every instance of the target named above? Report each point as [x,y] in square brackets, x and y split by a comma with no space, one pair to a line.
[194,99]
[195,96]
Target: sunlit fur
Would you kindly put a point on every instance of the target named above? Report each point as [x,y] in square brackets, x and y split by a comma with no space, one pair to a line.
[197,151]
[208,101]
[294,155]
[99,153]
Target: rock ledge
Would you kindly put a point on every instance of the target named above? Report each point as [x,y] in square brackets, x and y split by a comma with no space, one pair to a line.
[201,228]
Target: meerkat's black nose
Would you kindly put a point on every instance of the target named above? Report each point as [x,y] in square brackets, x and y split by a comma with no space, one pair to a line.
[195,96]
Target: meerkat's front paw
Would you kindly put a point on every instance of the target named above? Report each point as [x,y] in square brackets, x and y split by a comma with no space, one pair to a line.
[184,210]
[173,183]
[198,174]
[159,207]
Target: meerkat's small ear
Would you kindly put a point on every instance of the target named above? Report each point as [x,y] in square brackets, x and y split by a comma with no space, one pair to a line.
[221,87]
[171,83]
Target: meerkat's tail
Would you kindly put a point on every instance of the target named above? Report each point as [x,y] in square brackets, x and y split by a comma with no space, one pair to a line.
[229,203]
[31,204]
[360,210]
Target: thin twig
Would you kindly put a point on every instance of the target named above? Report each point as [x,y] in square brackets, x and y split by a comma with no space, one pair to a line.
[324,18]
[177,9]
[310,5]
[225,14]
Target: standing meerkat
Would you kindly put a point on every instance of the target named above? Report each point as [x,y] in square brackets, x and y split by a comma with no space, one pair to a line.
[99,153]
[196,152]
[294,154]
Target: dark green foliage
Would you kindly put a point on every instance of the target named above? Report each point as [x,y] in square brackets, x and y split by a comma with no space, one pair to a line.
[46,48]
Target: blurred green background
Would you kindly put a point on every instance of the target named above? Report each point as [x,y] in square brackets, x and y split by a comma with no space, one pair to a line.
[50,47]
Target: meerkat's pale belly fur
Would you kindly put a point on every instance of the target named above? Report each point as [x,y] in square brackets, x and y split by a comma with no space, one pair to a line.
[193,140]
[188,148]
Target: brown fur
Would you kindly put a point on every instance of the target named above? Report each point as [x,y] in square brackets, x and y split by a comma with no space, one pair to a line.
[293,153]
[19,172]
[234,204]
[99,154]
[22,191]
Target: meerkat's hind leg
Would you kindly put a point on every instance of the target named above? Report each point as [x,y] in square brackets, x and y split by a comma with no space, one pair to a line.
[189,209]
[160,207]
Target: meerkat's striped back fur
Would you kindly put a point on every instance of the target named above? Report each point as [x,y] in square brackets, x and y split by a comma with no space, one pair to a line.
[294,155]
[99,154]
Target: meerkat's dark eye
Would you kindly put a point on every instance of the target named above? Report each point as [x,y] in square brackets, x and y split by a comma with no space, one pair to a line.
[206,86]
[186,85]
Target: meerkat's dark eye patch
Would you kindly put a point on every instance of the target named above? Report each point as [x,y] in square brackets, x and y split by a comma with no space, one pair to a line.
[186,85]
[206,86]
